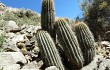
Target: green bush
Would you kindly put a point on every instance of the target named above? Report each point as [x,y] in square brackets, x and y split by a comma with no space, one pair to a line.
[97,16]
[2,39]
[22,16]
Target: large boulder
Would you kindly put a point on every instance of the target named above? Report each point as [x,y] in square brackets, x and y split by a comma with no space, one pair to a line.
[10,58]
[11,26]
[99,63]
[10,67]
[29,29]
[11,41]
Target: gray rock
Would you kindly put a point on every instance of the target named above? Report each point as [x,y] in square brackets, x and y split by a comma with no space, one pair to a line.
[30,69]
[104,65]
[105,43]
[52,68]
[11,67]
[11,25]
[29,29]
[32,65]
[99,63]
[8,58]
[11,41]
[36,50]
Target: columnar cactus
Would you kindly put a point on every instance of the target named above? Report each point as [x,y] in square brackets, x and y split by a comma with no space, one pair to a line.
[48,50]
[48,17]
[69,42]
[86,41]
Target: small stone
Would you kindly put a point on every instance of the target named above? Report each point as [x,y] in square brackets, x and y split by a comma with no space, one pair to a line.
[31,65]
[24,50]
[30,69]
[29,36]
[20,45]
[52,68]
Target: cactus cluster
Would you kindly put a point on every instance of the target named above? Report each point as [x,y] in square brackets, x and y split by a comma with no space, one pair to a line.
[78,48]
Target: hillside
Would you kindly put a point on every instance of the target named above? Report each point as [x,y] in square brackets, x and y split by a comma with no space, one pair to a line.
[20,16]
[25,46]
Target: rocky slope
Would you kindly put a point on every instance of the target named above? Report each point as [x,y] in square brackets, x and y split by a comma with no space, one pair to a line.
[19,50]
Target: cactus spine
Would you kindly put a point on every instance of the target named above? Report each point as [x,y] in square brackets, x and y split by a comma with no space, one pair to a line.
[48,50]
[86,41]
[69,42]
[48,17]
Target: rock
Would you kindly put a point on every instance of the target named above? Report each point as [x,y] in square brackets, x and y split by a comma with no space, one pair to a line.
[105,43]
[103,48]
[104,65]
[15,30]
[2,5]
[10,46]
[52,68]
[29,36]
[18,38]
[11,41]
[99,63]
[21,45]
[10,67]
[32,65]
[36,50]
[11,26]
[24,51]
[8,58]
[33,54]
[30,69]
[29,30]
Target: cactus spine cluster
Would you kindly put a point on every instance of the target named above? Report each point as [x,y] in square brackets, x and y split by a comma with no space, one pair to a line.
[48,17]
[48,50]
[86,41]
[69,42]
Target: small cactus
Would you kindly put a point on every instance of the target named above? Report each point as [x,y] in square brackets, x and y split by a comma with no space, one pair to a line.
[48,17]
[86,41]
[69,42]
[48,50]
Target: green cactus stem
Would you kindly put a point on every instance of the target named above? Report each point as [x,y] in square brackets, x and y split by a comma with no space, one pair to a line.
[48,17]
[86,41]
[48,50]
[68,40]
